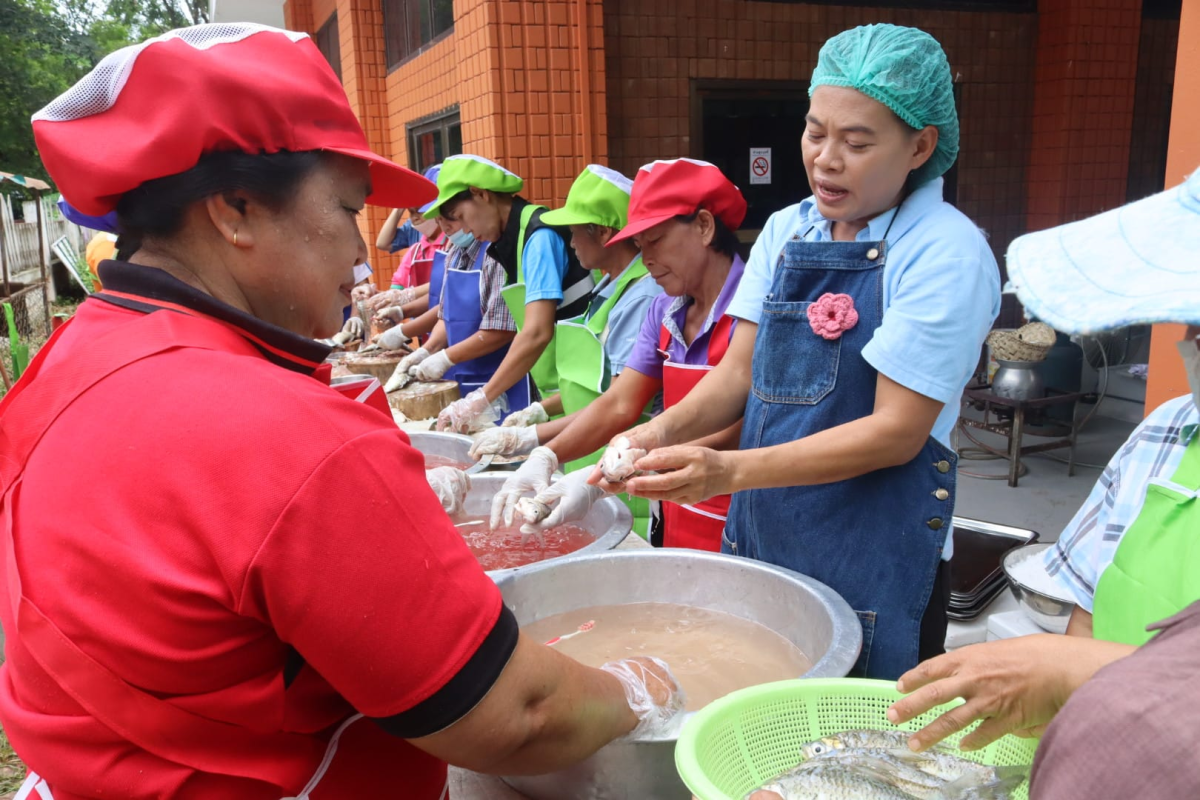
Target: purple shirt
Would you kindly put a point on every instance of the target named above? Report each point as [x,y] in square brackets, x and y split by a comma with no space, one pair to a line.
[672,312]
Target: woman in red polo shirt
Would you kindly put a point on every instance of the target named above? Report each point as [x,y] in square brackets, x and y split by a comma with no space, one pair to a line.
[202,623]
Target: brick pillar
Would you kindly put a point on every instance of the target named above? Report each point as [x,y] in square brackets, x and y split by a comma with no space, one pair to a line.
[298,15]
[532,79]
[360,32]
[1085,80]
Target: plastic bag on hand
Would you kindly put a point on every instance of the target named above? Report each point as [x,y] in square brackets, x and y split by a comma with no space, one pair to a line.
[451,486]
[532,414]
[389,297]
[531,477]
[505,442]
[471,413]
[653,695]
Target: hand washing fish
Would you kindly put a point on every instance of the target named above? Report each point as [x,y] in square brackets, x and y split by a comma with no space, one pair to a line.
[617,462]
[878,765]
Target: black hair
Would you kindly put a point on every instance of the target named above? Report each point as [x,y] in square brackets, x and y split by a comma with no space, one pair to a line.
[446,209]
[157,207]
[724,240]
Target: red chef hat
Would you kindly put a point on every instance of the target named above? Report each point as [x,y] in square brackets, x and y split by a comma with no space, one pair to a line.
[154,109]
[663,190]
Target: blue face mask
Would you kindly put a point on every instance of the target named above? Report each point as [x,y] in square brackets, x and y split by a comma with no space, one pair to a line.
[462,240]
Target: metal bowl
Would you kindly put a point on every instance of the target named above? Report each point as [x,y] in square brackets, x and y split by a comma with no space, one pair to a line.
[609,520]
[1049,612]
[799,608]
[452,445]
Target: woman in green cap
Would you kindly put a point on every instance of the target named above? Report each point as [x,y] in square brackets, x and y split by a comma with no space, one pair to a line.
[860,320]
[545,281]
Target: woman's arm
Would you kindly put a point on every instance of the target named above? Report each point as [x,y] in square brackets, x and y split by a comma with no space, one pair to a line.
[603,418]
[479,344]
[388,231]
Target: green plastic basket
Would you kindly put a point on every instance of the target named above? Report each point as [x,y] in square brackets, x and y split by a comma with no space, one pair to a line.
[749,737]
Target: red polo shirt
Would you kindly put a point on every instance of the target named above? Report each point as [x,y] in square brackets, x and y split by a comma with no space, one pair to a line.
[230,535]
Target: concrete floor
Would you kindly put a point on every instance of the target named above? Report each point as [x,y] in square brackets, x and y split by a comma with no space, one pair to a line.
[1045,499]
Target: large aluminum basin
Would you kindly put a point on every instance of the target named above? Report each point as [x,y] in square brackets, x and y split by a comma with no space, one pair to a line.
[454,446]
[803,610]
[609,520]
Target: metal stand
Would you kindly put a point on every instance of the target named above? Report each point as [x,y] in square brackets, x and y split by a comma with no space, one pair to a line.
[1015,430]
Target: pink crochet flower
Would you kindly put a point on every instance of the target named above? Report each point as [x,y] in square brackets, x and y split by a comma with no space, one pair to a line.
[832,315]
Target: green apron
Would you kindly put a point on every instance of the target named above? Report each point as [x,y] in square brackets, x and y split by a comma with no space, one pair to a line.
[544,371]
[1156,571]
[584,373]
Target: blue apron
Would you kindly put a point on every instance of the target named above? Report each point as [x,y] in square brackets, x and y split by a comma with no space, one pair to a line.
[437,272]
[876,539]
[460,298]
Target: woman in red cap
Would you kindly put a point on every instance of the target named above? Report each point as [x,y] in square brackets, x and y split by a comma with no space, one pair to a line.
[683,215]
[204,624]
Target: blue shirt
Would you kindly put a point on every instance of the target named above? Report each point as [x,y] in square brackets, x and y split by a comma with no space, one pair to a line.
[406,236]
[1151,453]
[627,315]
[941,292]
[544,262]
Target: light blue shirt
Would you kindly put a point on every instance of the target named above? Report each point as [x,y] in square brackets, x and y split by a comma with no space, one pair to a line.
[544,263]
[626,318]
[941,292]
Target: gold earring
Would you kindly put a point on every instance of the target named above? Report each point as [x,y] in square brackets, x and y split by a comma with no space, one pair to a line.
[235,238]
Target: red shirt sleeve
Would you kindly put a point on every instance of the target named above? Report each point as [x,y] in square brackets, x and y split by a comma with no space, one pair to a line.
[364,574]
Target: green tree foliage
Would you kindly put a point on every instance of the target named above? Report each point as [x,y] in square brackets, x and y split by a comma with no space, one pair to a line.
[47,45]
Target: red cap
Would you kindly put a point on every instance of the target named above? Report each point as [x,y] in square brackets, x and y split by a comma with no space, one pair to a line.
[666,189]
[154,109]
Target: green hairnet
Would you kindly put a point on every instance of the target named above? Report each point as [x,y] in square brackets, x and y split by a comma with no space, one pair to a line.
[906,70]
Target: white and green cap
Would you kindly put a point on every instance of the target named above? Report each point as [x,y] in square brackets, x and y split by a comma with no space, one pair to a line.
[460,173]
[599,196]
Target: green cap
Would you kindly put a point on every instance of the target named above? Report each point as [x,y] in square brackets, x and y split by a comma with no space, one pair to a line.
[599,196]
[460,173]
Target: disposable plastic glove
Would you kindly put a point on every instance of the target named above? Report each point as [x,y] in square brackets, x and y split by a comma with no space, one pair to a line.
[531,478]
[352,330]
[570,499]
[389,297]
[400,375]
[432,368]
[532,414]
[505,442]
[653,695]
[468,413]
[451,486]
[392,315]
[360,294]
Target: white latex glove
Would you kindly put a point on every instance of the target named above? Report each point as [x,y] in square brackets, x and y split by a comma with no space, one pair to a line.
[505,442]
[400,375]
[392,339]
[361,293]
[532,477]
[389,297]
[432,368]
[354,327]
[570,499]
[467,413]
[532,414]
[451,486]
[392,314]
[653,695]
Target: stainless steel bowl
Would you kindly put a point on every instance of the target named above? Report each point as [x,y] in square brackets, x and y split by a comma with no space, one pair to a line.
[452,445]
[1049,612]
[799,608]
[609,520]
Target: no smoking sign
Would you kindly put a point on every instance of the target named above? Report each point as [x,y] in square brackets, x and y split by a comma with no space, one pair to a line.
[760,165]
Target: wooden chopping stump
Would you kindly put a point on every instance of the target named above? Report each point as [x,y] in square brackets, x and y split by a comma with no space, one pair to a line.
[380,365]
[424,400]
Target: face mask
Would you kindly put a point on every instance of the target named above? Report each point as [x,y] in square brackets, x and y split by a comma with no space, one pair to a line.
[1191,362]
[462,240]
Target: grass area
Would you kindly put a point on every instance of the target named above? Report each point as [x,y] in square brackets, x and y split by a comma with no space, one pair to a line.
[63,305]
[12,771]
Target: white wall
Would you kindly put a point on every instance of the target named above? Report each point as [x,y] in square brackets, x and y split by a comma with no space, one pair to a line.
[264,12]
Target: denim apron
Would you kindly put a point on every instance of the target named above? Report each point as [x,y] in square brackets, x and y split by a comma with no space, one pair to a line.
[462,316]
[876,539]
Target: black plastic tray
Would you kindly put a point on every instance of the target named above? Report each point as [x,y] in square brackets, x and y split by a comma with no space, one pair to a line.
[979,547]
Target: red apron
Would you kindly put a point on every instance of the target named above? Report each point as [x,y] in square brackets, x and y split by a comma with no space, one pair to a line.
[696,526]
[421,271]
[159,727]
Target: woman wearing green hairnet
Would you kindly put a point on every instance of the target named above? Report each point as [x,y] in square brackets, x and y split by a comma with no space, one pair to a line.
[860,320]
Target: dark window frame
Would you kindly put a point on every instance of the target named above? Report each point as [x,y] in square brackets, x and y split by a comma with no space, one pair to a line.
[441,122]
[404,36]
[328,41]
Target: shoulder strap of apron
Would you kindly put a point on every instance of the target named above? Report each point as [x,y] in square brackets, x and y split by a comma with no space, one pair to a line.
[1187,474]
[597,323]
[718,340]
[159,727]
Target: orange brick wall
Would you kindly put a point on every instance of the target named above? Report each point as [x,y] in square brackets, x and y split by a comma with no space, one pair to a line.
[321,10]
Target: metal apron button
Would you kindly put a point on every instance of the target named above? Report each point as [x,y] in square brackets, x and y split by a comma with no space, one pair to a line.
[942,494]
[943,466]
[872,254]
[935,523]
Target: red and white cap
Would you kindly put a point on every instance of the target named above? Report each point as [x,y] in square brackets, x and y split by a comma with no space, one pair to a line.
[663,190]
[153,109]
